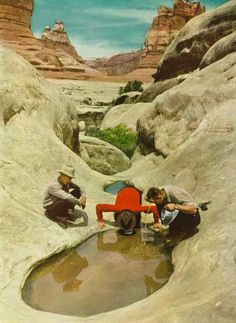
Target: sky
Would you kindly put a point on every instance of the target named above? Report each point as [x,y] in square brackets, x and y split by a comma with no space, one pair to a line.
[102,28]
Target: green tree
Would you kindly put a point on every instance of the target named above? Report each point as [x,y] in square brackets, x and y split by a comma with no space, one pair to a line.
[132,86]
[120,136]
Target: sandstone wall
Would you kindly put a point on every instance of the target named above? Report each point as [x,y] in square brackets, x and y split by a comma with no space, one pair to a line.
[15,18]
[53,57]
[195,39]
[165,27]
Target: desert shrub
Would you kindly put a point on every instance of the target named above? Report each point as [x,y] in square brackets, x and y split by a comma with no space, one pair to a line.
[120,136]
[132,86]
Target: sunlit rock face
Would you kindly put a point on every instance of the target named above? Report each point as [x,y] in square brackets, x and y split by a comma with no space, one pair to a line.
[15,18]
[195,39]
[164,28]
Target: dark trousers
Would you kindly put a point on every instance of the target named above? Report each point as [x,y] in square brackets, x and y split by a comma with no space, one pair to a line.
[58,210]
[185,222]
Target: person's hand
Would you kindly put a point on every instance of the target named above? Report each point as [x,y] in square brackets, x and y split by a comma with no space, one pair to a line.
[170,207]
[82,201]
[101,225]
[157,225]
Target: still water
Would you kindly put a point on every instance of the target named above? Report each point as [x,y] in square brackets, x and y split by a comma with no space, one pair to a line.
[106,272]
[115,187]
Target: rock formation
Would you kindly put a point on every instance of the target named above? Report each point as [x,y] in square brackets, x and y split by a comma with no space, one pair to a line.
[193,41]
[53,55]
[102,156]
[118,64]
[126,114]
[220,49]
[57,39]
[192,123]
[165,27]
[15,18]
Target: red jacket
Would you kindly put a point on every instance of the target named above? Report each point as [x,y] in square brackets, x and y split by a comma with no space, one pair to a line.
[127,199]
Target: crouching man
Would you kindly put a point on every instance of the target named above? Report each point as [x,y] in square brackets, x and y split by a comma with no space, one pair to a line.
[178,208]
[127,210]
[62,195]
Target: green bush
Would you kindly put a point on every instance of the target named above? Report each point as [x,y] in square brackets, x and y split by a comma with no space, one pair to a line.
[132,86]
[121,137]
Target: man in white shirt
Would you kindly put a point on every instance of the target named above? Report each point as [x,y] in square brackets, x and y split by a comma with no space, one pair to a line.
[62,195]
[177,208]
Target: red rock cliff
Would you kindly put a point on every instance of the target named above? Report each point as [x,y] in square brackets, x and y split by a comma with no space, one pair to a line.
[54,55]
[165,27]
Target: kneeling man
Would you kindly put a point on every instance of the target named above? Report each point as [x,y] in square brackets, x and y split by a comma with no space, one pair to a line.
[62,195]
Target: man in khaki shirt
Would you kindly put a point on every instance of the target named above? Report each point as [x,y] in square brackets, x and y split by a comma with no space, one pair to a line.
[62,195]
[177,208]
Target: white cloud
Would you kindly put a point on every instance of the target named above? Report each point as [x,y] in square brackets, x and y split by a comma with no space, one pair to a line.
[142,15]
[90,51]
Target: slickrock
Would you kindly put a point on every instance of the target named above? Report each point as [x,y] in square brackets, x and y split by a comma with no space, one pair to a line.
[195,39]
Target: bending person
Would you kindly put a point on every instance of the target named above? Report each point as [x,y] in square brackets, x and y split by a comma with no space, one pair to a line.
[178,208]
[127,210]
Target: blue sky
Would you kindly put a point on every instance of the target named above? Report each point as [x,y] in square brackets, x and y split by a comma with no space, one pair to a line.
[102,28]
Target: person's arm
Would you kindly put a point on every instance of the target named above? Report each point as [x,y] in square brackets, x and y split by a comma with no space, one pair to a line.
[82,198]
[56,191]
[100,208]
[82,190]
[188,209]
[152,209]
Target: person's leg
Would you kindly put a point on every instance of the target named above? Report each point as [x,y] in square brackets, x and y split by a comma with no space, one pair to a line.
[58,211]
[185,222]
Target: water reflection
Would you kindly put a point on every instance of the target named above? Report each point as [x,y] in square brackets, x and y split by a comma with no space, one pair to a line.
[68,269]
[120,270]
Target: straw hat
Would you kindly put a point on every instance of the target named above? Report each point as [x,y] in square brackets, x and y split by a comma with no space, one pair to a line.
[67,170]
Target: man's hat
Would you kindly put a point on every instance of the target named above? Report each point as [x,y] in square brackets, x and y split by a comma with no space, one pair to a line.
[67,170]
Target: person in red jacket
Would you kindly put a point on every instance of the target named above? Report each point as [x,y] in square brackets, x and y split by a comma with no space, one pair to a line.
[127,207]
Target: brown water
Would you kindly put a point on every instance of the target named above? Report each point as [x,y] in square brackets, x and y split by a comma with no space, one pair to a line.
[106,272]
